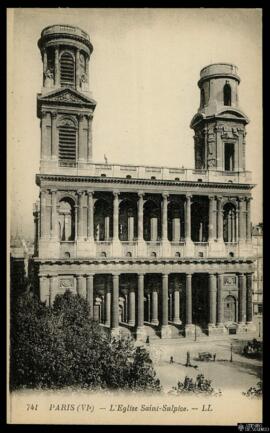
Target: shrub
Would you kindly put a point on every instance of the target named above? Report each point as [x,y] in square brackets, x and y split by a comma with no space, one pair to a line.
[199,386]
[60,346]
[254,392]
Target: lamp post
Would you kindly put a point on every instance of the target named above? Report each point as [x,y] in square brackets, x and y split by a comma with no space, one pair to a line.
[195,333]
[259,328]
[231,353]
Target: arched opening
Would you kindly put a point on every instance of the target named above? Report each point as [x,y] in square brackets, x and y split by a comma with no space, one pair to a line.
[227,94]
[229,223]
[103,220]
[199,220]
[67,70]
[128,226]
[67,140]
[152,221]
[176,221]
[230,309]
[66,219]
[229,156]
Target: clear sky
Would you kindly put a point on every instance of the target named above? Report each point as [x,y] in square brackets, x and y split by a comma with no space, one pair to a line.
[143,74]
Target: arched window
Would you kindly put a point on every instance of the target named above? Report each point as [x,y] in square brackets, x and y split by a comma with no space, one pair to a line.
[202,98]
[67,70]
[67,141]
[227,94]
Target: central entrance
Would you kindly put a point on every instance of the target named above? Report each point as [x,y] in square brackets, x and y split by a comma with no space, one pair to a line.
[229,309]
[200,302]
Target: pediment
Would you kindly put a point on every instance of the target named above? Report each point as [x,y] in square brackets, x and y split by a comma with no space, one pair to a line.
[232,113]
[66,96]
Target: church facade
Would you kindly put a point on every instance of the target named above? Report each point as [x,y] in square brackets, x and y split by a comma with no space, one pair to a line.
[155,250]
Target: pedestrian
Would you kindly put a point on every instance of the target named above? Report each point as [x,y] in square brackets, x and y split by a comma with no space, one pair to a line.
[214,356]
[171,360]
[188,360]
[147,340]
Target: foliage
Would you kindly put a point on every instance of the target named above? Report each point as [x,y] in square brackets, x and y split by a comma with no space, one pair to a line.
[60,346]
[254,392]
[199,386]
[253,349]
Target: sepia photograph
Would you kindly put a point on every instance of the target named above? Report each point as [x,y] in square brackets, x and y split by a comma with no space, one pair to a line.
[135,216]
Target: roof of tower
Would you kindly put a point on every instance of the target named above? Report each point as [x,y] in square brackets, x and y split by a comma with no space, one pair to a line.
[219,70]
[66,31]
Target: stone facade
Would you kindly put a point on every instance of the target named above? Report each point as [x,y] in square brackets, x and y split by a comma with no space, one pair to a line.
[155,250]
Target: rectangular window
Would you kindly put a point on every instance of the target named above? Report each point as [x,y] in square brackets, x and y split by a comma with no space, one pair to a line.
[67,144]
[229,156]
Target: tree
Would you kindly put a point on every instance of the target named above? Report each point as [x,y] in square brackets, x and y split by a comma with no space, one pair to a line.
[61,346]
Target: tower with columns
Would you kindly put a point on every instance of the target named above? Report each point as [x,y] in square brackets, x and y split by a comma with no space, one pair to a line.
[154,250]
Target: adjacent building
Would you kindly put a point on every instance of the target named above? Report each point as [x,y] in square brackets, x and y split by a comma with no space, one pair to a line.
[257,244]
[155,250]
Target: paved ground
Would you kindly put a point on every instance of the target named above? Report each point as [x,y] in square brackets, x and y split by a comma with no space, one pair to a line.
[239,374]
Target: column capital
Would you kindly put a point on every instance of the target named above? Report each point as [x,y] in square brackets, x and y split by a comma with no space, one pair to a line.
[53,190]
[165,275]
[141,274]
[116,274]
[188,195]
[89,275]
[81,116]
[116,193]
[241,199]
[79,277]
[212,197]
[44,113]
[141,194]
[165,195]
[54,114]
[80,192]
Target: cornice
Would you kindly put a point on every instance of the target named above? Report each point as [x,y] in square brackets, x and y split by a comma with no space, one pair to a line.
[133,181]
[145,260]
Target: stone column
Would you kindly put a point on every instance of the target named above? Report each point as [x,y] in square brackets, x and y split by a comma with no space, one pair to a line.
[140,332]
[237,225]
[81,139]
[116,216]
[220,220]
[176,229]
[130,228]
[189,326]
[44,234]
[45,140]
[78,69]
[154,320]
[149,307]
[90,220]
[56,67]
[176,305]
[242,299]
[54,136]
[212,301]
[188,299]
[45,65]
[242,219]
[53,289]
[140,217]
[248,219]
[80,215]
[108,304]
[54,213]
[115,306]
[89,141]
[249,299]
[44,290]
[165,217]
[90,293]
[212,218]
[188,218]
[81,291]
[165,279]
[220,318]
[131,301]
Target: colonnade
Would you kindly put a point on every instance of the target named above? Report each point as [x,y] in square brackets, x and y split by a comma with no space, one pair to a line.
[163,304]
[84,205]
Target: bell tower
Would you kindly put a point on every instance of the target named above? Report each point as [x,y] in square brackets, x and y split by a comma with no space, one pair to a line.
[219,125]
[65,106]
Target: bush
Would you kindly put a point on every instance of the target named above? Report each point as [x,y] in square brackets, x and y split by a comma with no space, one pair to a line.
[199,386]
[253,349]
[254,392]
[61,346]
